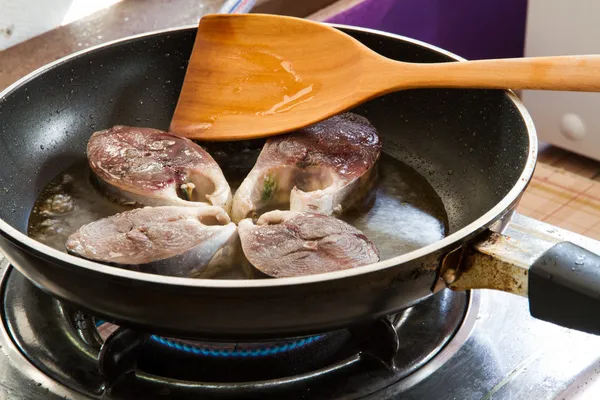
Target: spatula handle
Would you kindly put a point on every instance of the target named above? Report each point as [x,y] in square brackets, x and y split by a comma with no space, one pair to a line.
[568,73]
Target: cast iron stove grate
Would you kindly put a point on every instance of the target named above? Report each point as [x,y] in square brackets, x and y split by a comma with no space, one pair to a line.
[104,361]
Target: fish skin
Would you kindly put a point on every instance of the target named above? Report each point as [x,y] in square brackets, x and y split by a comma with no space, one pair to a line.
[288,243]
[169,240]
[323,168]
[147,166]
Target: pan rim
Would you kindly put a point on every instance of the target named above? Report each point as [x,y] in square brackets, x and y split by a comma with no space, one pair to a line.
[454,239]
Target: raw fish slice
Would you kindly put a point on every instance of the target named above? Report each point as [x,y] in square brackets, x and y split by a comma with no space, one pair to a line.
[287,243]
[178,241]
[152,167]
[323,168]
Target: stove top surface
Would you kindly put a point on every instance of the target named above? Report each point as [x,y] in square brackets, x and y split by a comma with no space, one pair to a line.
[489,348]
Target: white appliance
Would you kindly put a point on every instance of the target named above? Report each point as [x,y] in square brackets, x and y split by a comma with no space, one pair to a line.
[565,119]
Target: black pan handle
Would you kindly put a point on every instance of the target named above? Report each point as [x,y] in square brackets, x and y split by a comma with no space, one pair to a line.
[559,271]
[564,288]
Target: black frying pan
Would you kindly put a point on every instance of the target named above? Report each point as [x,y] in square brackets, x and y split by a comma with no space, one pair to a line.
[47,118]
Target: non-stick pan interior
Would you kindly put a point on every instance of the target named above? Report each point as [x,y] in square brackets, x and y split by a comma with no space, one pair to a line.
[470,144]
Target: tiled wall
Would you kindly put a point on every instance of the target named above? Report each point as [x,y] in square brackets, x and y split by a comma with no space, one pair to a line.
[564,199]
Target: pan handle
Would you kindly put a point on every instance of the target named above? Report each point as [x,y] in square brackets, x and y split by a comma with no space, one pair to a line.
[559,271]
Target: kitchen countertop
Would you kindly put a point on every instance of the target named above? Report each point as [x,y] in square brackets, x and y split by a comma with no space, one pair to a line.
[123,19]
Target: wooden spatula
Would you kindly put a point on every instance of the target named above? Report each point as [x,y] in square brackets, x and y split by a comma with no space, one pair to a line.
[255,75]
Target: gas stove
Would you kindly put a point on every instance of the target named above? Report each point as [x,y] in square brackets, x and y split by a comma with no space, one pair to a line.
[479,345]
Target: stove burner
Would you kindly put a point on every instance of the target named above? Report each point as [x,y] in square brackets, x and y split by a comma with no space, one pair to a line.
[223,350]
[67,346]
[260,352]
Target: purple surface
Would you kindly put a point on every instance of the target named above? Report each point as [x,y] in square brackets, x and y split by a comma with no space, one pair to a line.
[473,29]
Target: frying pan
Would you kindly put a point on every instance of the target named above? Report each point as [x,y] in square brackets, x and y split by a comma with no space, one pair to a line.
[47,117]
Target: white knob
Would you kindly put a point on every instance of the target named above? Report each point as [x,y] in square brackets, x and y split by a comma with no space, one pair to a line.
[572,126]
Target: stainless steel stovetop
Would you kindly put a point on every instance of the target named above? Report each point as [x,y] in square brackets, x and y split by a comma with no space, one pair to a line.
[497,352]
